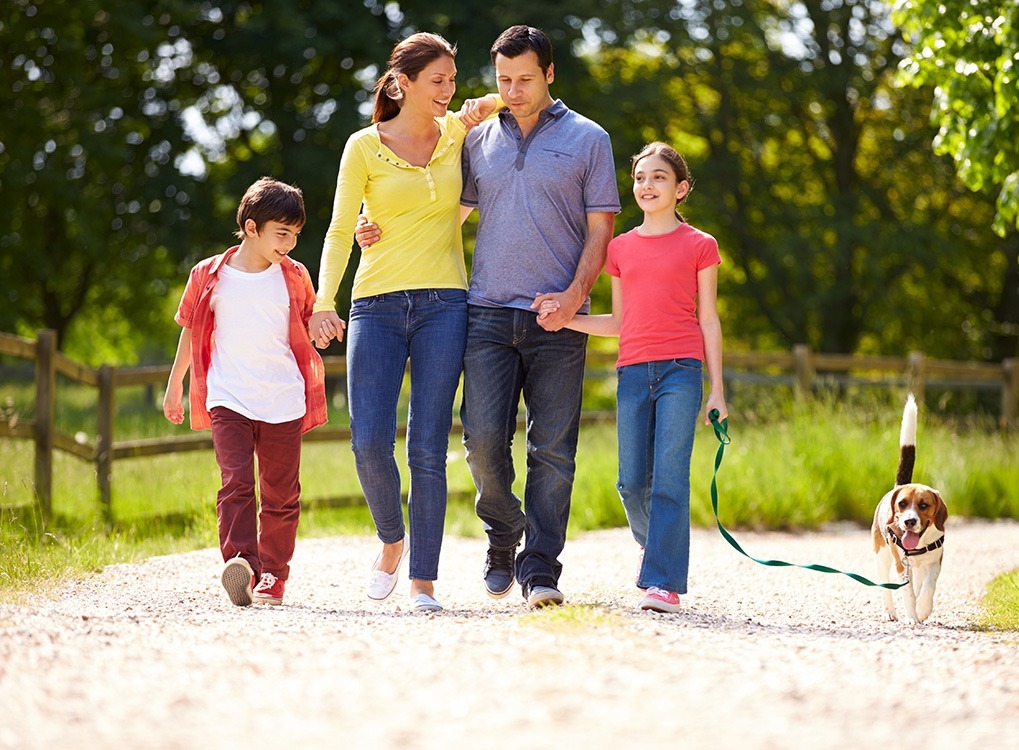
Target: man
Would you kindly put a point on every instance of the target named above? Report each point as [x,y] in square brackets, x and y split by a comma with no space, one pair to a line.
[543,181]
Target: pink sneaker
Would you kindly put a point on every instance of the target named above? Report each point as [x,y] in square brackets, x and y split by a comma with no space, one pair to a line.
[269,590]
[660,600]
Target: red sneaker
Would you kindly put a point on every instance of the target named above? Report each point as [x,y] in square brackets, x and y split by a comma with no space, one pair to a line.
[269,590]
[238,580]
[660,600]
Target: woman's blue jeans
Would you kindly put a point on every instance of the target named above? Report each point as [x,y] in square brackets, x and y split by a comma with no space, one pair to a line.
[508,353]
[428,326]
[658,404]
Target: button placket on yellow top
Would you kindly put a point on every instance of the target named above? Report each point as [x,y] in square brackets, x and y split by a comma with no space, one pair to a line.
[425,170]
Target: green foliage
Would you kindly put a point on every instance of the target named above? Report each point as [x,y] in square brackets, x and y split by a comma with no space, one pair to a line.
[132,135]
[813,169]
[92,206]
[967,51]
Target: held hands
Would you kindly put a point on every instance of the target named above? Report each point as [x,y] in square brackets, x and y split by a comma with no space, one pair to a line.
[547,307]
[366,233]
[325,326]
[555,309]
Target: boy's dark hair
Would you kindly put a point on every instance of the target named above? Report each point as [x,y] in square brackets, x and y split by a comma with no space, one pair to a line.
[518,40]
[270,200]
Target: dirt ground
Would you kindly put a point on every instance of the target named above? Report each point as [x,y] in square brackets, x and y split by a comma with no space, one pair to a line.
[153,655]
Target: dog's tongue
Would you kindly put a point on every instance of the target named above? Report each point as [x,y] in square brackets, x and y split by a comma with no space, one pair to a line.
[910,539]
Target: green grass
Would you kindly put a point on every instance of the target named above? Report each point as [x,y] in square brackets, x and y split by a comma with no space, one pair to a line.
[789,466]
[1001,603]
[573,617]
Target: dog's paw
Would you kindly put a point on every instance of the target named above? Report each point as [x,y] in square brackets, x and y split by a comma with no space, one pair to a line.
[891,616]
[923,610]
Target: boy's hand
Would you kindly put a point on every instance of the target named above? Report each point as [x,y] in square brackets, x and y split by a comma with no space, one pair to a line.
[325,326]
[173,408]
[366,233]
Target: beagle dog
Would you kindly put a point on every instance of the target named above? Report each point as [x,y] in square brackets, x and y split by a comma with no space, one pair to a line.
[909,531]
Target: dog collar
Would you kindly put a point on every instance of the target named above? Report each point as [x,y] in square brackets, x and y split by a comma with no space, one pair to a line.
[913,552]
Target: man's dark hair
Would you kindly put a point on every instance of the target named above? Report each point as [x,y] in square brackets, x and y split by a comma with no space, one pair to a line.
[518,40]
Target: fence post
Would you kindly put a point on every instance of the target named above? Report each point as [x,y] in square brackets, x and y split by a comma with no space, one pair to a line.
[45,407]
[804,370]
[104,442]
[916,375]
[1009,393]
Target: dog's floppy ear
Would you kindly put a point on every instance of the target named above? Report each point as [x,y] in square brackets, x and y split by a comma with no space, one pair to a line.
[889,511]
[941,514]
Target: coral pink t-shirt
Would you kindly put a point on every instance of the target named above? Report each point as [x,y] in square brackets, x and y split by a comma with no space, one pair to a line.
[658,275]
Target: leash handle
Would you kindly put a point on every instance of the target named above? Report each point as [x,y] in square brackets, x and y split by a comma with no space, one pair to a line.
[721,428]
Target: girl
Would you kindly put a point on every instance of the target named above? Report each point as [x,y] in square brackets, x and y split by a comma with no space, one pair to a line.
[664,286]
[409,300]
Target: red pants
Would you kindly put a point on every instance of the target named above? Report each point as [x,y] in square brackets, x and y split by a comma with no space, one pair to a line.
[264,537]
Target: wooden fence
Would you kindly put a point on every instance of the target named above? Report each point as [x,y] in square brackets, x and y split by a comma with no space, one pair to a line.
[801,367]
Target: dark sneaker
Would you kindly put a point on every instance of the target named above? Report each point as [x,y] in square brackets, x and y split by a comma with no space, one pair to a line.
[238,580]
[539,597]
[499,576]
[269,590]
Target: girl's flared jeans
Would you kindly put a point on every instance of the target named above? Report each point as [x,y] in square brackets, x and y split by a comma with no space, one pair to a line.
[658,403]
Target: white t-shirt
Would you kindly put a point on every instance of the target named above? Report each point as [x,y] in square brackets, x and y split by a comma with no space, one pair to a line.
[253,370]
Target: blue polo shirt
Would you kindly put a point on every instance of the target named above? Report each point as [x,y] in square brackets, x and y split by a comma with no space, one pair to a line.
[533,196]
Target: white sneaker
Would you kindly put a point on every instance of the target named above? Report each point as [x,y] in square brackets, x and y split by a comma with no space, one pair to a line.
[425,603]
[380,583]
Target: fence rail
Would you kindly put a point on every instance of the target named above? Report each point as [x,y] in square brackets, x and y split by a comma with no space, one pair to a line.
[801,367]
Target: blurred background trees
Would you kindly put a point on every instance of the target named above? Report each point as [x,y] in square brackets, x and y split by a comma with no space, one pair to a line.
[129,136]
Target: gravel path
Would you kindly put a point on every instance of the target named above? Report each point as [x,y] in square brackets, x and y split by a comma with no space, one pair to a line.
[153,655]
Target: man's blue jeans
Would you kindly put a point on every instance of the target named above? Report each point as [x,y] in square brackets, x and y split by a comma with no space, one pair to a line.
[658,404]
[508,353]
[430,327]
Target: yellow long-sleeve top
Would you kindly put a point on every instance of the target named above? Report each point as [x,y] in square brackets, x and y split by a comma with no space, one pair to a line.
[417,210]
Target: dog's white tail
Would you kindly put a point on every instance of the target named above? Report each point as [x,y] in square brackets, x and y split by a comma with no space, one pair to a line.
[907,443]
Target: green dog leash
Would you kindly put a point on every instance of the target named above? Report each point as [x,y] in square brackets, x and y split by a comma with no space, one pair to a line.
[722,433]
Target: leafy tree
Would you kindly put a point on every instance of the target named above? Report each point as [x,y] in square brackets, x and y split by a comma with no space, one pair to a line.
[90,195]
[814,172]
[968,52]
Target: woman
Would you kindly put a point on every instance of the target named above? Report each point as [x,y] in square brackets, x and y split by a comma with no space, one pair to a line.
[409,299]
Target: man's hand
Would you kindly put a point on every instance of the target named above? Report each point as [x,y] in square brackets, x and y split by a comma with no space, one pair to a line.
[325,326]
[365,233]
[555,318]
[475,111]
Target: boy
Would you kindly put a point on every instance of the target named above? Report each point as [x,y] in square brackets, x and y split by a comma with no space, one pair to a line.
[256,381]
